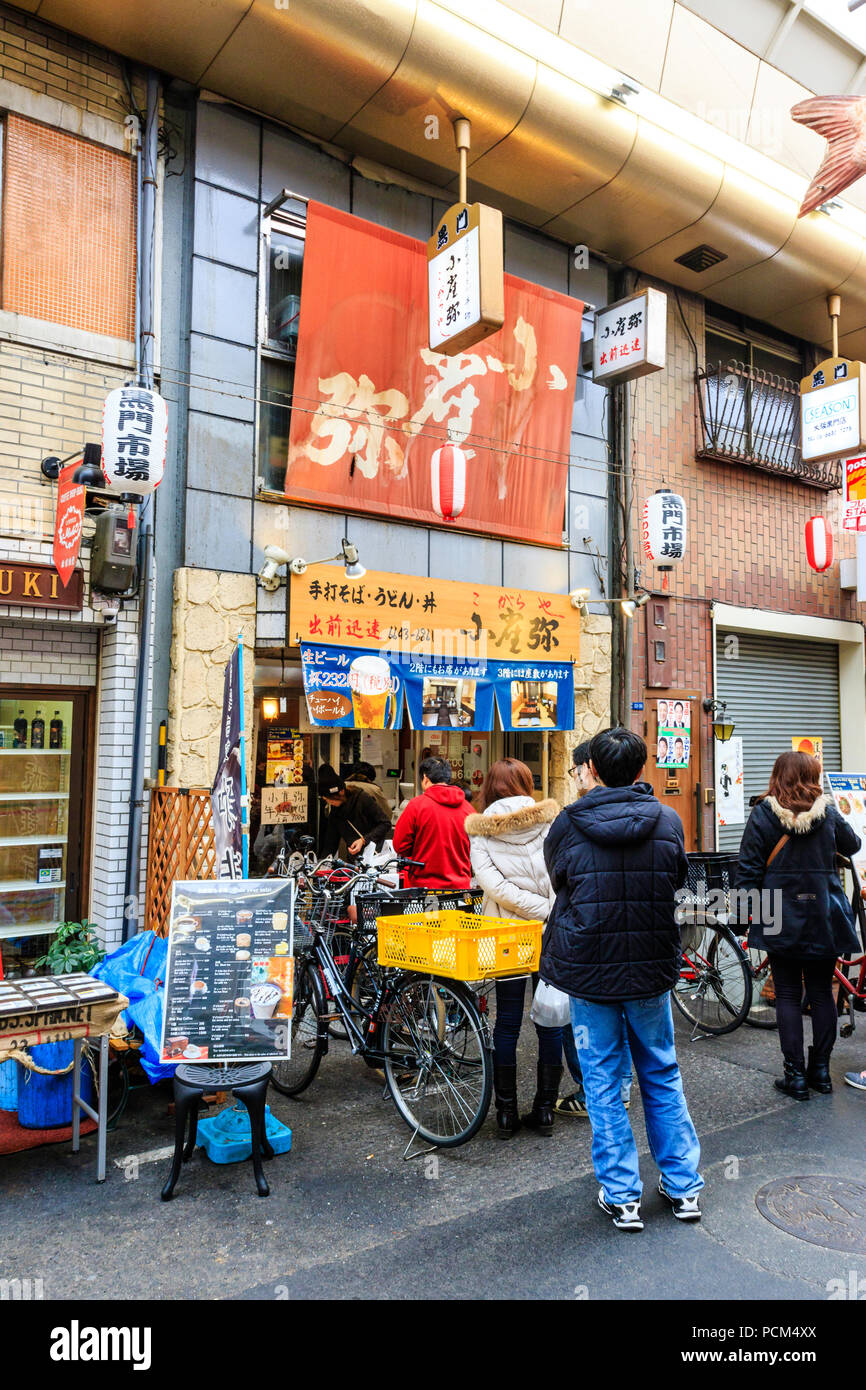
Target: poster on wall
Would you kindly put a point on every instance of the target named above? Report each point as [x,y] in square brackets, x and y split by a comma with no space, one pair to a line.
[285,758]
[228,984]
[673,745]
[730,805]
[814,746]
[848,790]
[350,688]
[347,688]
[384,402]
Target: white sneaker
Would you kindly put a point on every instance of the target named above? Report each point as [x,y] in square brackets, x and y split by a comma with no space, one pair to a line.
[683,1208]
[626,1215]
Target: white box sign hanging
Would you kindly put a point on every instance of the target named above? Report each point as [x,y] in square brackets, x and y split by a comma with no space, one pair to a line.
[630,338]
[465,278]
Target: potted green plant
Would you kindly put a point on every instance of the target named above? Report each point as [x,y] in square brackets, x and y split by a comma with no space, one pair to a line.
[73,948]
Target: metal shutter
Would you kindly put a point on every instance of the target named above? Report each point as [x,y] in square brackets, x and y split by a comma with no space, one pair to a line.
[775,688]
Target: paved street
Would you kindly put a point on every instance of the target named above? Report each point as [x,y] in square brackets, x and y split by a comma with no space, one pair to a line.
[348,1218]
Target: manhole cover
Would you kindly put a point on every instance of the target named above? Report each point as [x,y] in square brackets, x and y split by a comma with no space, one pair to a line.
[824,1211]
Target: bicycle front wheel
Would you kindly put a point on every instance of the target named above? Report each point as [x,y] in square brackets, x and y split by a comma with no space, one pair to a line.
[438,1059]
[714,991]
[309,1028]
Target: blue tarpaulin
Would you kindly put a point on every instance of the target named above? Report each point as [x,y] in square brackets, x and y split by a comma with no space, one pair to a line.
[137,969]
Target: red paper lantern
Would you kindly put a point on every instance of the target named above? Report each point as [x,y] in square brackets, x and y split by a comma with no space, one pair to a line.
[819,543]
[448,481]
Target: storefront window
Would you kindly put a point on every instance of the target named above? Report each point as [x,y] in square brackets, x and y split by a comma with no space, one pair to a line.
[285,262]
[283,266]
[35,784]
[275,414]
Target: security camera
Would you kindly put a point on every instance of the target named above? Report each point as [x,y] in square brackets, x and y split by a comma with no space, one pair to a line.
[275,558]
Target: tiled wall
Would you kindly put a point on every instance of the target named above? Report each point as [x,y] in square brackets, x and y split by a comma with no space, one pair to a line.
[68,230]
[241,162]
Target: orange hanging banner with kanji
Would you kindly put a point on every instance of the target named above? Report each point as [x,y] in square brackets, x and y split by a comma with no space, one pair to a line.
[372,404]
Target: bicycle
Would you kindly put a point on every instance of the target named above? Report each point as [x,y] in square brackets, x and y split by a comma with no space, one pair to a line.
[426,1032]
[713,974]
[714,990]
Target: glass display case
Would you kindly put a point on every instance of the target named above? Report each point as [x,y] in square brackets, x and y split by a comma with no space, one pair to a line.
[40,806]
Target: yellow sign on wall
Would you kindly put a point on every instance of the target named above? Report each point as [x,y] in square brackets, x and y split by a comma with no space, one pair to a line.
[431,617]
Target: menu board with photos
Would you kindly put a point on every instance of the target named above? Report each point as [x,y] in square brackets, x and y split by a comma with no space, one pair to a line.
[673,747]
[848,790]
[228,989]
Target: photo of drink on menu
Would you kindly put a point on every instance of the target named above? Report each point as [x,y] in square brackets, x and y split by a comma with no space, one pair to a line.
[673,740]
[229,974]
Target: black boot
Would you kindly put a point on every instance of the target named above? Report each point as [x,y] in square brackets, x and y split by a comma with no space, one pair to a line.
[818,1073]
[794,1083]
[540,1117]
[505,1086]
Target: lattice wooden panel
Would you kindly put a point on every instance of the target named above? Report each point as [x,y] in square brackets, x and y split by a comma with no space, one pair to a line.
[180,846]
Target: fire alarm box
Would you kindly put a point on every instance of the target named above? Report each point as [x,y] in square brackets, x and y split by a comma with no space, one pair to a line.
[112,555]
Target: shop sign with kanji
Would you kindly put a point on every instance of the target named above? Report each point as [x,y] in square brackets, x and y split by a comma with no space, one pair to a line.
[431,617]
[832,411]
[134,433]
[630,338]
[465,278]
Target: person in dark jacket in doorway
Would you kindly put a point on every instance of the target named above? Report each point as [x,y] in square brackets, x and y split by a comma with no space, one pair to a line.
[617,860]
[789,890]
[354,816]
[432,829]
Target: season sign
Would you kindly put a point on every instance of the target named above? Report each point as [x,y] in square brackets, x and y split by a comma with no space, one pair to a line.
[831,410]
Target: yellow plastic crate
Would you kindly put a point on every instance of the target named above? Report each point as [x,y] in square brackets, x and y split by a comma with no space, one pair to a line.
[459,945]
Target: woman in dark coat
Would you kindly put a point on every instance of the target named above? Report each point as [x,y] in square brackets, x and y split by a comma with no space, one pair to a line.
[802,918]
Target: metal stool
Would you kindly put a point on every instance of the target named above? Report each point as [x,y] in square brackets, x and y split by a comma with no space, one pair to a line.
[249,1082]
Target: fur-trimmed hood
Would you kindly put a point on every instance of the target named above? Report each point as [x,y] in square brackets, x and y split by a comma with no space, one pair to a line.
[803,821]
[513,817]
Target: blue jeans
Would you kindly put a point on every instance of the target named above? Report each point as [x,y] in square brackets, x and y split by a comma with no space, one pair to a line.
[573,1063]
[603,1034]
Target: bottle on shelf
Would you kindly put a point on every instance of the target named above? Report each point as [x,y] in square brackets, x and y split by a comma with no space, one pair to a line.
[37,731]
[20,727]
[55,731]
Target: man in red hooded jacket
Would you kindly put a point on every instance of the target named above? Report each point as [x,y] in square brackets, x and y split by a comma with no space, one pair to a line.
[432,829]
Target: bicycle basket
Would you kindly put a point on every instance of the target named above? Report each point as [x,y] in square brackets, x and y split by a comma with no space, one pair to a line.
[398,901]
[459,945]
[312,910]
[709,873]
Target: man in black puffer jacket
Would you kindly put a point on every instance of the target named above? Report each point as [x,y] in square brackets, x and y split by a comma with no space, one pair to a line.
[616,859]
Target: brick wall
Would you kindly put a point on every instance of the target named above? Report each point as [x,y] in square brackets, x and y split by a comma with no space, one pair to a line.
[53,380]
[745,543]
[50,403]
[48,61]
[53,656]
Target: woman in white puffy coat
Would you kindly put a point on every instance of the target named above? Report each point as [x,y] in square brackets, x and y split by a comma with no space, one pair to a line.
[507,847]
